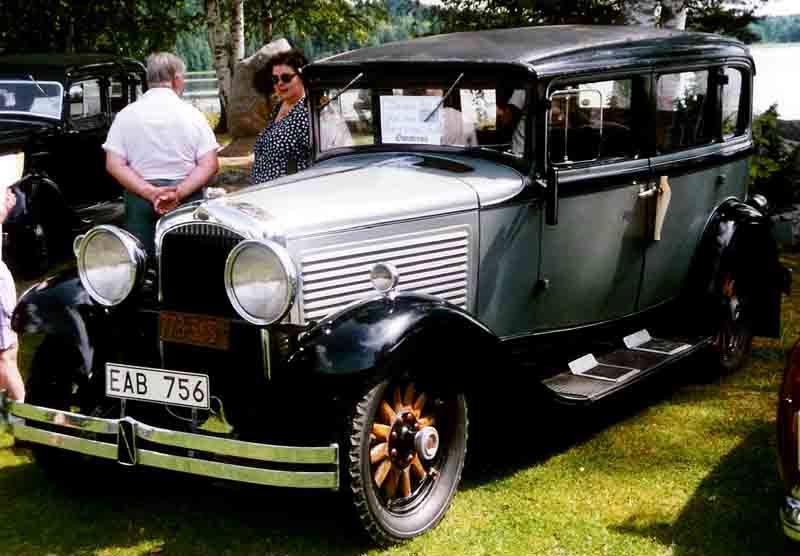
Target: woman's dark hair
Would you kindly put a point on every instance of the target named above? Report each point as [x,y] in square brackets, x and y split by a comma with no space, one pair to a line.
[294,58]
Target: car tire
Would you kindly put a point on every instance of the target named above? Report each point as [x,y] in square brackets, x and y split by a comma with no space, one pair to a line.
[59,390]
[400,494]
[733,338]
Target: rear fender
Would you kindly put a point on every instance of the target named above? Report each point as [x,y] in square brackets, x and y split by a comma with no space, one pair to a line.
[738,251]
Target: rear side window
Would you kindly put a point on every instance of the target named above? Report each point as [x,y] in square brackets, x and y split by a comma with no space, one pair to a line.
[591,121]
[684,109]
[733,122]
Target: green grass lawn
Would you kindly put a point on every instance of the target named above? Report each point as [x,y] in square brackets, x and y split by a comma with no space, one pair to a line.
[683,466]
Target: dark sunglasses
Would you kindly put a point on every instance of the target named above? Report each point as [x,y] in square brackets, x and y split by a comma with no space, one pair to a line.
[285,77]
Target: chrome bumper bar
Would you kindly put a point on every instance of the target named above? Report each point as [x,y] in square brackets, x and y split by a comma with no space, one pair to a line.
[120,444]
[790,517]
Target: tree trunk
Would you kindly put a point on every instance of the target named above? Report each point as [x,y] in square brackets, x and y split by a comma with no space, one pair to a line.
[217,40]
[237,30]
[672,13]
[267,26]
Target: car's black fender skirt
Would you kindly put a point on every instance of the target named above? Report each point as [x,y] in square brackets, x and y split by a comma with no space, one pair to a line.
[738,251]
[60,308]
[364,340]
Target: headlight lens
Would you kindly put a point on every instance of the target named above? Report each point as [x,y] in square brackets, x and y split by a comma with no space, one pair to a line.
[261,281]
[110,264]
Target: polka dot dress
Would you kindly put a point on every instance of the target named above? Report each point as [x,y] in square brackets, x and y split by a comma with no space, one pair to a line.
[283,147]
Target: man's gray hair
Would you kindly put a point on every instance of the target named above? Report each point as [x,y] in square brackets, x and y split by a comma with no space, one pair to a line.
[162,67]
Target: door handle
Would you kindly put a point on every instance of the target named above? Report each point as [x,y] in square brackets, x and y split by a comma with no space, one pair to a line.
[648,190]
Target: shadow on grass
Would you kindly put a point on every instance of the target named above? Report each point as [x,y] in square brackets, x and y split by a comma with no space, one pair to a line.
[734,510]
[541,430]
[165,513]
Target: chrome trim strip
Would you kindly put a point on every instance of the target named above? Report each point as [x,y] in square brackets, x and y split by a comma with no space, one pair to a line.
[239,473]
[63,418]
[238,448]
[64,441]
[305,455]
[790,517]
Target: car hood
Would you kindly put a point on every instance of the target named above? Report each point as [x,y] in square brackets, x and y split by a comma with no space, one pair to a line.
[17,131]
[350,193]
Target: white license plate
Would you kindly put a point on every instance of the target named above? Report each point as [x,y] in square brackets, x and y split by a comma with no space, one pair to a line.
[157,385]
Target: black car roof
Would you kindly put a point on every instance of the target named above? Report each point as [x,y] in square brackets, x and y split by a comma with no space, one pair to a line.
[547,49]
[58,66]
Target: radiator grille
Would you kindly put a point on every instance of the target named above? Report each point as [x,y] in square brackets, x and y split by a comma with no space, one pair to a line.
[434,263]
[192,266]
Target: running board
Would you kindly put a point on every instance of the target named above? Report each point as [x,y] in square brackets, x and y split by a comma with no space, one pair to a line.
[590,378]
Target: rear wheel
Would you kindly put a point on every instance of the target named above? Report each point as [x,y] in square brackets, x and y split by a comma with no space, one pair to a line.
[408,444]
[733,336]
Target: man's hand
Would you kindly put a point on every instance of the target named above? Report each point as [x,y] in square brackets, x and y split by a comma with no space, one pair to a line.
[8,204]
[165,200]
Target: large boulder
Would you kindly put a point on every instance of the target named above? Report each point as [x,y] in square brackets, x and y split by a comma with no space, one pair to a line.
[248,110]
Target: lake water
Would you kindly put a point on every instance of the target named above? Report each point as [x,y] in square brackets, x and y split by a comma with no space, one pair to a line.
[777,78]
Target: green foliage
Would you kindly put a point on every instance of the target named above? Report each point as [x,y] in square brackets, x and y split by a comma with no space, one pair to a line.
[381,22]
[778,29]
[726,17]
[771,171]
[130,27]
[468,15]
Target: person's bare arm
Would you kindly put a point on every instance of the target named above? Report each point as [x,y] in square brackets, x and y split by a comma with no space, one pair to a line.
[10,378]
[128,178]
[206,167]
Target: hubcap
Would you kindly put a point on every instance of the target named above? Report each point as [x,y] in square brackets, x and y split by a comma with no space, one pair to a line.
[403,444]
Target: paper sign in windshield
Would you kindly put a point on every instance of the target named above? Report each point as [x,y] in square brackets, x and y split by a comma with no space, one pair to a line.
[405,119]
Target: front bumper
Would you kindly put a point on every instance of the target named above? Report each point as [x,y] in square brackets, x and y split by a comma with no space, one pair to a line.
[118,439]
[790,517]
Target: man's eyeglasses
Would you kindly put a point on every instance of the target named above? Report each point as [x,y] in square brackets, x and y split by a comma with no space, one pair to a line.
[285,77]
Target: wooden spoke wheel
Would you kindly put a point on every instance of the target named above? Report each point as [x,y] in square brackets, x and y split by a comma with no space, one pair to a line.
[407,450]
[734,335]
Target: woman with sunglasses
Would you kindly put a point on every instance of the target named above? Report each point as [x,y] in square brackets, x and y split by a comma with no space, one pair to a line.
[284,147]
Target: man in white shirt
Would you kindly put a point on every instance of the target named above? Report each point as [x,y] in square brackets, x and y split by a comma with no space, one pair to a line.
[160,149]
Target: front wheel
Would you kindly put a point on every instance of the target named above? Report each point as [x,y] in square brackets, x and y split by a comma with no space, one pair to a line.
[407,449]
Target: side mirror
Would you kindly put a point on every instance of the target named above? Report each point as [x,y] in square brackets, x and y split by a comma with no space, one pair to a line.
[551,197]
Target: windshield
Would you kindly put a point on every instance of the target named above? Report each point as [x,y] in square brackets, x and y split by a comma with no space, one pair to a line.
[35,98]
[453,113]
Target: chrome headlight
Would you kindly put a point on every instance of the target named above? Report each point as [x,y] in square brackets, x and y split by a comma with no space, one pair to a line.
[110,264]
[261,281]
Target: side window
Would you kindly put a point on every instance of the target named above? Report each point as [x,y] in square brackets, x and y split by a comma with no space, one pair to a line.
[684,109]
[733,117]
[117,97]
[85,104]
[591,121]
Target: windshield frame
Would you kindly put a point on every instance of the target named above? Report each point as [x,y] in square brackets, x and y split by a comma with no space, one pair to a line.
[398,75]
[35,84]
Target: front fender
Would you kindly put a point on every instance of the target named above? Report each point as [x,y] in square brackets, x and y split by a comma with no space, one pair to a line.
[361,339]
[738,251]
[59,307]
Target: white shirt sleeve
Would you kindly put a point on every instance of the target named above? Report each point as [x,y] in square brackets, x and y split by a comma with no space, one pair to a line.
[115,140]
[206,141]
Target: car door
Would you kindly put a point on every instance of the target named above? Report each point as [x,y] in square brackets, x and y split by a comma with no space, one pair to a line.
[701,142]
[591,260]
[80,172]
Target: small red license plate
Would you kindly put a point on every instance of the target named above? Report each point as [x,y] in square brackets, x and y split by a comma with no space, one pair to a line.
[196,330]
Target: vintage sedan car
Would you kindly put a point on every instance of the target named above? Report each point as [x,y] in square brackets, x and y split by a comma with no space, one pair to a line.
[493,220]
[56,110]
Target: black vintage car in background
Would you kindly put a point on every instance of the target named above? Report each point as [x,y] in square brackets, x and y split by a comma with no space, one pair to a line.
[57,109]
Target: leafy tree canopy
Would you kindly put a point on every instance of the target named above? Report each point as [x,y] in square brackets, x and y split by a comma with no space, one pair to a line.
[130,27]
